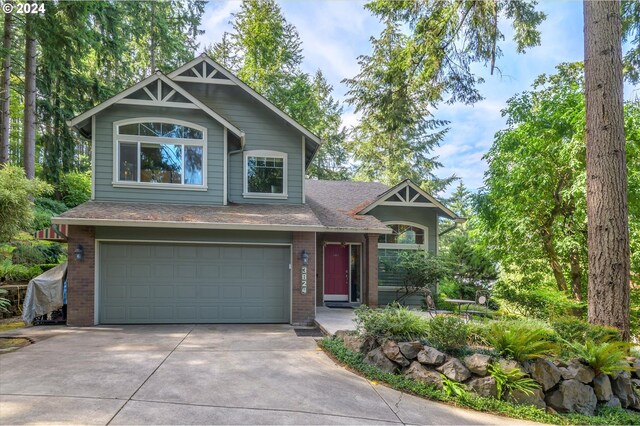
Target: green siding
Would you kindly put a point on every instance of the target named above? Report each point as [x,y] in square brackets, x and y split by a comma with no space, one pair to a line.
[263,130]
[105,191]
[426,217]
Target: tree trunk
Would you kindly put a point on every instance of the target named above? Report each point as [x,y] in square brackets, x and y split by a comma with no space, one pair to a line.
[5,110]
[29,98]
[607,209]
[552,256]
[576,274]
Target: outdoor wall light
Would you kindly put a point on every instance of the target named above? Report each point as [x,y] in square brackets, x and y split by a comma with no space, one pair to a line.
[79,252]
[305,257]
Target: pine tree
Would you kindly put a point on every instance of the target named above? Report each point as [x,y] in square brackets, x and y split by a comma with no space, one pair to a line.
[5,100]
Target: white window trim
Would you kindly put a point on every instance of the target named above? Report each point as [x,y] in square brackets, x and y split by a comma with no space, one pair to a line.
[393,246]
[265,153]
[117,138]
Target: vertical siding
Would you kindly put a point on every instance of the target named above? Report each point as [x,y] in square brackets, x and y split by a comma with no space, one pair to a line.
[263,130]
[104,158]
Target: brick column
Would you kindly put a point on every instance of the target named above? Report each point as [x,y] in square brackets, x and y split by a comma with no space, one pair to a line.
[303,306]
[371,285]
[81,277]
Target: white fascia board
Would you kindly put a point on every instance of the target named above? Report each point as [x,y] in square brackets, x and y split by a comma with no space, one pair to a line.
[247,89]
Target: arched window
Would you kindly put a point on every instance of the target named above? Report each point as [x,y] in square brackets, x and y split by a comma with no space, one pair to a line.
[160,152]
[405,236]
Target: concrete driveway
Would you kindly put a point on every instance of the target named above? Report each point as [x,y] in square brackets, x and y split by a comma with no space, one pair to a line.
[204,374]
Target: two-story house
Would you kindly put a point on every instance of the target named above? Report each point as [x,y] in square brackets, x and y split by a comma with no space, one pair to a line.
[200,212]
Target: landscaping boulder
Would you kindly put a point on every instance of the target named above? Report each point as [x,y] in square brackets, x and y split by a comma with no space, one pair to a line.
[455,370]
[484,386]
[420,374]
[602,387]
[573,396]
[431,356]
[358,343]
[378,359]
[613,403]
[478,363]
[509,364]
[545,373]
[576,370]
[410,349]
[392,351]
[536,398]
[621,387]
[636,368]
[340,334]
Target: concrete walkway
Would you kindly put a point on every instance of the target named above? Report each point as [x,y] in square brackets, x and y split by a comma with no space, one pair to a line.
[205,374]
[331,320]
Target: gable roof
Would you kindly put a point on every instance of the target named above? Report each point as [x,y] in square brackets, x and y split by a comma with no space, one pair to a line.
[408,194]
[336,203]
[207,76]
[122,97]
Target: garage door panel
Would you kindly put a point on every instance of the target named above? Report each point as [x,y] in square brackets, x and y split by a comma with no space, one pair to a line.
[173,283]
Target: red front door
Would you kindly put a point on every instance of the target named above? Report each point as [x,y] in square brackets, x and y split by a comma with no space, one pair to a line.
[336,272]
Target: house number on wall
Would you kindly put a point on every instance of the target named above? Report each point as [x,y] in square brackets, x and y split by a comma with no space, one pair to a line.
[303,287]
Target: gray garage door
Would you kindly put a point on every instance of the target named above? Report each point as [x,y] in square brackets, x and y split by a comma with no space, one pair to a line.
[176,283]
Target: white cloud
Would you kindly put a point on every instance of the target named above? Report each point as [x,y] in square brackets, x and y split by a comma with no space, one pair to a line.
[216,21]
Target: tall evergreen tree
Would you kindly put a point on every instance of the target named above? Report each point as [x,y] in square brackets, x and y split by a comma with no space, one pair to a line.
[607,204]
[265,51]
[29,134]
[5,96]
[396,133]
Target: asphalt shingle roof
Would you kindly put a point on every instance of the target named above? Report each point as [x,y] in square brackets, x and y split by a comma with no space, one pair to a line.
[336,203]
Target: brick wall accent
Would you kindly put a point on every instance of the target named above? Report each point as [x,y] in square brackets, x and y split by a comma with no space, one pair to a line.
[371,267]
[303,306]
[81,277]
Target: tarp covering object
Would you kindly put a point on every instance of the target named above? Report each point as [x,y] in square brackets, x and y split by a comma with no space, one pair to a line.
[44,293]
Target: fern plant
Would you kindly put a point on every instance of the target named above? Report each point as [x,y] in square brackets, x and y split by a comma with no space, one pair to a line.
[605,357]
[511,380]
[452,388]
[4,302]
[520,341]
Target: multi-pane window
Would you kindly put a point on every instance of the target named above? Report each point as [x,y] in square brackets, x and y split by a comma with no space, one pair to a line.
[265,173]
[403,236]
[160,153]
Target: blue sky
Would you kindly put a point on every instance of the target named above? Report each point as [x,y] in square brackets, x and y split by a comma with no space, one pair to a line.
[335,32]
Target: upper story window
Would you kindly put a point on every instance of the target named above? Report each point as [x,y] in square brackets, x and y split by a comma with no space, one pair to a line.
[160,153]
[265,174]
[404,236]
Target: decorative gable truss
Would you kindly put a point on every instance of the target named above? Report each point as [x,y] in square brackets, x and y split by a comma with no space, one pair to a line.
[158,93]
[408,194]
[201,71]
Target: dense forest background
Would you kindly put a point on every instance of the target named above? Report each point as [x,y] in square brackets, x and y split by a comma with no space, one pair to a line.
[525,238]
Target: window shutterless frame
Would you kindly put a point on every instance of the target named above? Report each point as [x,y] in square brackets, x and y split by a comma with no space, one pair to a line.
[157,140]
[400,246]
[245,170]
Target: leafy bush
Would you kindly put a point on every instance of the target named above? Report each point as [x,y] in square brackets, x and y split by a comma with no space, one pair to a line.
[75,188]
[44,209]
[511,380]
[574,329]
[11,272]
[520,340]
[4,302]
[36,253]
[451,387]
[447,332]
[419,270]
[16,193]
[393,322]
[606,357]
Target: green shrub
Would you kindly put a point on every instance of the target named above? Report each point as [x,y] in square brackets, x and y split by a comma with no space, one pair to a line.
[30,253]
[511,380]
[392,322]
[606,357]
[574,329]
[447,333]
[11,272]
[44,209]
[51,205]
[520,340]
[16,193]
[4,302]
[75,188]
